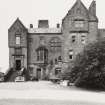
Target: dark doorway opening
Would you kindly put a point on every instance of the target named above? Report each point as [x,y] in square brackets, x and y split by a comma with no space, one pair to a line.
[39,73]
[18,64]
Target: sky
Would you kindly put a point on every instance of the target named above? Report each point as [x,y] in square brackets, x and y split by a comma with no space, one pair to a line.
[30,11]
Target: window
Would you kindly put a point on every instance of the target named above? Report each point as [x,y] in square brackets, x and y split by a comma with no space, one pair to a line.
[18,36]
[17,40]
[79,23]
[57,71]
[38,56]
[73,39]
[70,54]
[83,38]
[55,44]
[18,51]
[42,54]
[59,58]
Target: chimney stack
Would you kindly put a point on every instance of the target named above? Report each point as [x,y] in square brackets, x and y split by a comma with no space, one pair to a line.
[43,24]
[31,25]
[58,25]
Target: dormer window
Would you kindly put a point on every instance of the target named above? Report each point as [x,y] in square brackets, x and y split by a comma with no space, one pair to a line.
[79,23]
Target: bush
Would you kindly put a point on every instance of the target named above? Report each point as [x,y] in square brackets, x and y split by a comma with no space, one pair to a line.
[89,67]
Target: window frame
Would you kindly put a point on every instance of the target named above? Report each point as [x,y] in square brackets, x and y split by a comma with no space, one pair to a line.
[55,44]
[57,71]
[73,38]
[42,55]
[71,54]
[83,38]
[18,40]
[79,23]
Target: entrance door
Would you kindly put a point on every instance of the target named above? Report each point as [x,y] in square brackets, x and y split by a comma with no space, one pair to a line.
[18,64]
[39,73]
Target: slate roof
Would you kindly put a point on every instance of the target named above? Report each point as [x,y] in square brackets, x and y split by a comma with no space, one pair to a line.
[45,30]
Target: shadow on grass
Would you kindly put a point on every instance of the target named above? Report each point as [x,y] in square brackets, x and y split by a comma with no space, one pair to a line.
[91,88]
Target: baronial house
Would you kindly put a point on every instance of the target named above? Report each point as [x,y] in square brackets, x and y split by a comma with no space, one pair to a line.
[36,49]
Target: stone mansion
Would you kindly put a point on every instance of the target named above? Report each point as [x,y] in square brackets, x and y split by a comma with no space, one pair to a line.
[37,48]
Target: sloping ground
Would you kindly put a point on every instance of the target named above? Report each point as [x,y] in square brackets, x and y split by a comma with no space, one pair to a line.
[47,93]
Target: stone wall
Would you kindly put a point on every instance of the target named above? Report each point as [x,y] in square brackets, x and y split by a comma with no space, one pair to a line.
[36,42]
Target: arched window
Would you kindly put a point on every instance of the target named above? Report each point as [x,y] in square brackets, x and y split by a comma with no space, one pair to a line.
[55,44]
[42,54]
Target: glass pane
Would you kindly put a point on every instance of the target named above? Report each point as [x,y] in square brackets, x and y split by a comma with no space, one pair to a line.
[79,23]
[83,38]
[17,40]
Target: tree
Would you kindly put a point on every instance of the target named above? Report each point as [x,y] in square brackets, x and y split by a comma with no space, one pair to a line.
[89,67]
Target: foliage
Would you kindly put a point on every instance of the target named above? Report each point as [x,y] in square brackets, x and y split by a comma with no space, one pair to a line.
[89,67]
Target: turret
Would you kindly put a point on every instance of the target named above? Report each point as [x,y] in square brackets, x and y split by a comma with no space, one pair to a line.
[92,8]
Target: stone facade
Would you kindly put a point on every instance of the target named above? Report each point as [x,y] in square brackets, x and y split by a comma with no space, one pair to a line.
[37,48]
